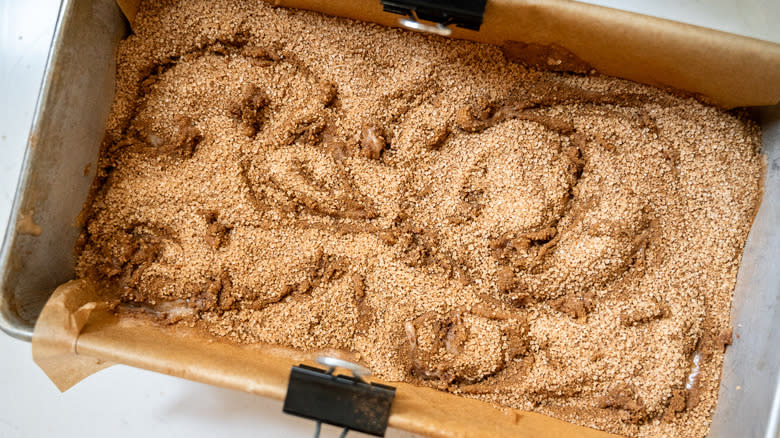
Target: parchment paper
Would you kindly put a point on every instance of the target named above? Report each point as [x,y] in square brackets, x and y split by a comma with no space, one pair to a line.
[59,325]
[727,69]
[76,336]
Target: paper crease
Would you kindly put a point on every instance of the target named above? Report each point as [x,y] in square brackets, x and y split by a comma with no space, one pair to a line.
[57,331]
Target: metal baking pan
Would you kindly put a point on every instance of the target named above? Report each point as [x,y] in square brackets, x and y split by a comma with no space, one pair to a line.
[59,166]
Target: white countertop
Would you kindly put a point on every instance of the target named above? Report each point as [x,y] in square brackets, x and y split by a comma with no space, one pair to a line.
[124,401]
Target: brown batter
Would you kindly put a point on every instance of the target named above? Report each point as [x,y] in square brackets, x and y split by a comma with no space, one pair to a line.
[550,242]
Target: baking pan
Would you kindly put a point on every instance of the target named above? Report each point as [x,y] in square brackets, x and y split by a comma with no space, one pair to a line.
[59,164]
[59,161]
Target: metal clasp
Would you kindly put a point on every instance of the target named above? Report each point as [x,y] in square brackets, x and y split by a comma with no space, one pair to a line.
[411,22]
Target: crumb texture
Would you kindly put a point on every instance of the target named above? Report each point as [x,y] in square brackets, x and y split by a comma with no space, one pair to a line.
[566,244]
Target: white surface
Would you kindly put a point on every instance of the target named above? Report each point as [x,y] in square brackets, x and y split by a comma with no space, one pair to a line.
[128,402]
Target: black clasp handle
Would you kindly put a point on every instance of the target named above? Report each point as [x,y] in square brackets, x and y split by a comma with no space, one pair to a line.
[462,13]
[344,401]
